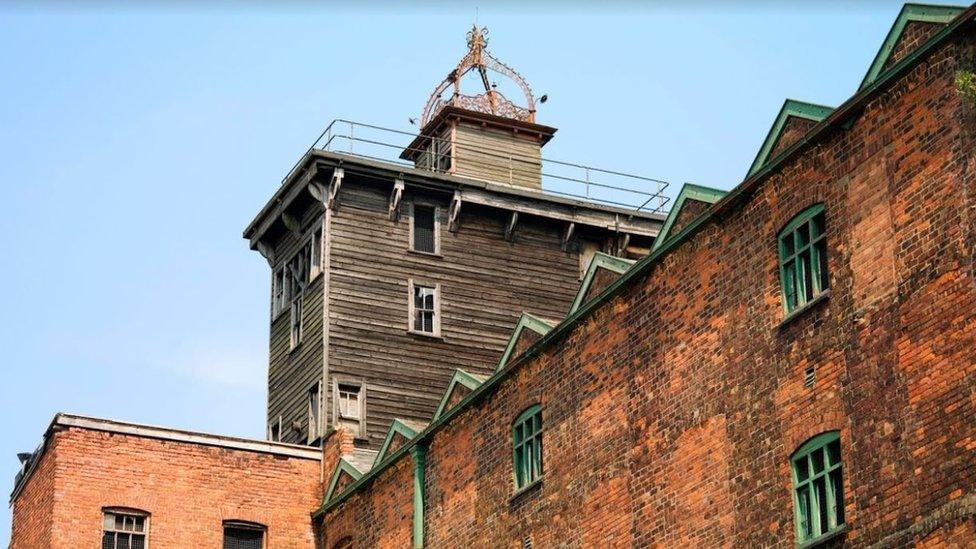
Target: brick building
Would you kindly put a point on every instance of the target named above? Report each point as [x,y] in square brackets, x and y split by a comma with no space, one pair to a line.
[789,363]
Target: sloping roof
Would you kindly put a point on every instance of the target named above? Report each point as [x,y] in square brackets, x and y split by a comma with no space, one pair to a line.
[471,381]
[909,12]
[533,323]
[404,427]
[599,260]
[791,107]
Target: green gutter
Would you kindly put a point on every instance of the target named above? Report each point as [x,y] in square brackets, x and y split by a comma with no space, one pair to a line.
[419,453]
[641,268]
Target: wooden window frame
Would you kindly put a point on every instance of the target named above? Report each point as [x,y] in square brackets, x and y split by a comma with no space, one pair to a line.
[807,511]
[793,268]
[296,323]
[313,246]
[411,308]
[527,448]
[337,416]
[244,525]
[315,423]
[437,226]
[271,426]
[127,512]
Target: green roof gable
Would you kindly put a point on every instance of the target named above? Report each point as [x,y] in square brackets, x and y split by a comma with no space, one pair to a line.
[688,191]
[909,12]
[599,260]
[342,468]
[533,323]
[791,107]
[462,378]
[397,427]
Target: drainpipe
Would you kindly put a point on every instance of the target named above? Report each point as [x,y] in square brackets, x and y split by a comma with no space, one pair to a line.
[419,454]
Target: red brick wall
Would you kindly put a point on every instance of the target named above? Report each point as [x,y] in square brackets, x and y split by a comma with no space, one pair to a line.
[188,489]
[671,412]
[381,517]
[34,507]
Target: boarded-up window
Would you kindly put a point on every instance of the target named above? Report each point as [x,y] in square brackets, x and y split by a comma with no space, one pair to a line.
[424,237]
[243,536]
[124,530]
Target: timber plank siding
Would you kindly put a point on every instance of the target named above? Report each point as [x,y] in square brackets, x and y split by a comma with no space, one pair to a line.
[485,283]
[497,156]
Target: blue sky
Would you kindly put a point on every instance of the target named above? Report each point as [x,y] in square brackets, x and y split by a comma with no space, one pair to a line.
[136,144]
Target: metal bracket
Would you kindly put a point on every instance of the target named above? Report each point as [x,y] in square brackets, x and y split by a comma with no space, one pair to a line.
[337,176]
[568,235]
[454,213]
[510,230]
[395,197]
[623,243]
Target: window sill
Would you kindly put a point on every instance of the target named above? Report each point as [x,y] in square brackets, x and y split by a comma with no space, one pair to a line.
[297,346]
[426,254]
[530,487]
[426,335]
[796,313]
[824,538]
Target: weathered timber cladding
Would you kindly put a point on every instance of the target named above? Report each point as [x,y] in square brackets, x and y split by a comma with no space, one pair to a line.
[485,284]
[670,412]
[291,372]
[497,156]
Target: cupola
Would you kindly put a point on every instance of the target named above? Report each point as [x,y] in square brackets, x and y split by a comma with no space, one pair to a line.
[482,134]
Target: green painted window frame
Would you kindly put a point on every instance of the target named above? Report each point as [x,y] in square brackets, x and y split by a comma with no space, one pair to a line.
[527,447]
[818,488]
[802,245]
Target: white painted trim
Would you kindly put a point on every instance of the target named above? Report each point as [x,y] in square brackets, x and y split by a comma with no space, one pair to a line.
[411,308]
[189,437]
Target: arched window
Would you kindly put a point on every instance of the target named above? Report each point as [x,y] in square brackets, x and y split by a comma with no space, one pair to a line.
[240,534]
[527,444]
[818,487]
[124,528]
[803,258]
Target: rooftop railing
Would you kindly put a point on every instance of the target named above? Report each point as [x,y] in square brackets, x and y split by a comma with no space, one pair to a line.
[558,178]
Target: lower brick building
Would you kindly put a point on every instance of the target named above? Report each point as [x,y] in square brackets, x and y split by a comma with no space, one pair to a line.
[791,365]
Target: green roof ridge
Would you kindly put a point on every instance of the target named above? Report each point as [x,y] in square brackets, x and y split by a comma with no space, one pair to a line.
[396,426]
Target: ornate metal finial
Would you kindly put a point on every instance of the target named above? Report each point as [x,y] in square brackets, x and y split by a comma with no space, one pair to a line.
[490,101]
